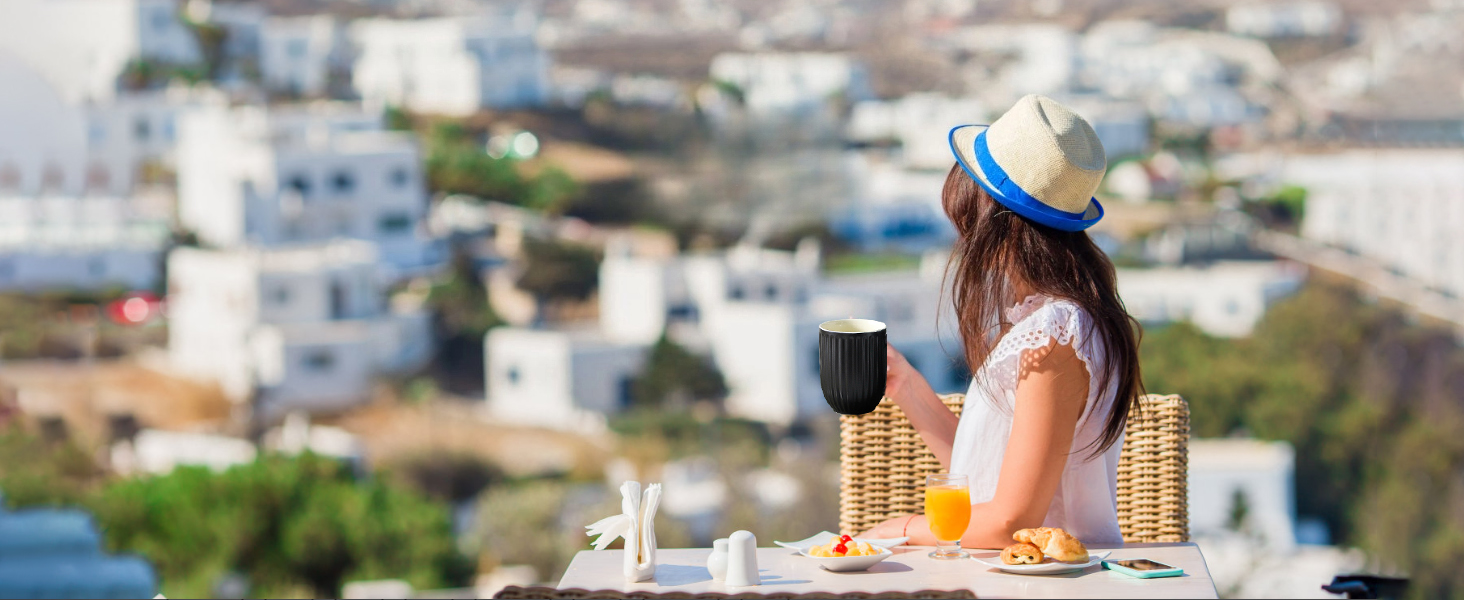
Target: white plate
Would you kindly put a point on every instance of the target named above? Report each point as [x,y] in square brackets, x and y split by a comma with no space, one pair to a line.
[1046,567]
[842,564]
[822,537]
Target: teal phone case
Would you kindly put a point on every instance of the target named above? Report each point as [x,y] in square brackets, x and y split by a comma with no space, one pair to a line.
[1175,572]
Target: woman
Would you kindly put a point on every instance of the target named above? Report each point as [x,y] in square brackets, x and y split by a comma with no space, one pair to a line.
[1038,309]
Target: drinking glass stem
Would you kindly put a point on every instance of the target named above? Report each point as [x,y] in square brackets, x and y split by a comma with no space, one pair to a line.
[948,549]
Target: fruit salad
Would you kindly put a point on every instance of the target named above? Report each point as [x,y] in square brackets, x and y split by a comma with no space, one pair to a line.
[843,546]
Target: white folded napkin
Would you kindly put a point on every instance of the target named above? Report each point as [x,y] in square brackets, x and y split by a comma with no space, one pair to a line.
[636,524]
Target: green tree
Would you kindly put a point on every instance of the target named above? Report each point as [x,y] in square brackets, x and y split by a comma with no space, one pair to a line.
[457,165]
[559,270]
[290,525]
[1369,399]
[674,377]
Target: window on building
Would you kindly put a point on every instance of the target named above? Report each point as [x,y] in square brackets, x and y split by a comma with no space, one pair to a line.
[281,295]
[681,312]
[771,292]
[170,129]
[320,360]
[394,223]
[296,48]
[300,183]
[337,300]
[97,178]
[736,293]
[400,177]
[141,129]
[513,376]
[97,132]
[9,178]
[627,392]
[160,19]
[52,178]
[344,182]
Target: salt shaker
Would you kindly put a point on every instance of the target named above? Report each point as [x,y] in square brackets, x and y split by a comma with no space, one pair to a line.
[717,562]
[742,560]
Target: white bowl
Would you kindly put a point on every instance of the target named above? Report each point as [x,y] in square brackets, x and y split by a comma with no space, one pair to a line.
[823,537]
[843,564]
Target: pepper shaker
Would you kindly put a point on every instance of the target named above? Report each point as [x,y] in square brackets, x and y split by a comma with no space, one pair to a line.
[742,560]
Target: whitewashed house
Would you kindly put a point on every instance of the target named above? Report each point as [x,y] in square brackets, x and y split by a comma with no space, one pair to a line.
[451,65]
[1400,207]
[754,311]
[791,84]
[1242,510]
[298,328]
[83,46]
[303,56]
[90,243]
[1224,298]
[278,176]
[558,379]
[1297,18]
[66,220]
[921,124]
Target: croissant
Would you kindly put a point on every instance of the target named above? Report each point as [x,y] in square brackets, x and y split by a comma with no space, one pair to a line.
[1054,542]
[1021,554]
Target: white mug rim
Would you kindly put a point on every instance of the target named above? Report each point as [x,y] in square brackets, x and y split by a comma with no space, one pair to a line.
[878,326]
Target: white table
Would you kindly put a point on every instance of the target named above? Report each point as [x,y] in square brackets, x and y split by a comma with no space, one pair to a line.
[684,570]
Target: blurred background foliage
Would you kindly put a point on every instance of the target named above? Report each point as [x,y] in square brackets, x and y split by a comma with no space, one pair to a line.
[1369,398]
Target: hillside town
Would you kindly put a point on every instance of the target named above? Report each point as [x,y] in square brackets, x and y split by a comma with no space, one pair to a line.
[508,248]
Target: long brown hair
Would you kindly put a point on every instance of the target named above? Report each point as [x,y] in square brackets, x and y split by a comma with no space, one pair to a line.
[995,247]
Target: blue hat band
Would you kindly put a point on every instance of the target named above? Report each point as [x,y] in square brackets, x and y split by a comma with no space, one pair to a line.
[1014,197]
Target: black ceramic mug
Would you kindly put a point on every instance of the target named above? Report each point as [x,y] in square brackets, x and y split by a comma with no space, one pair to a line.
[852,364]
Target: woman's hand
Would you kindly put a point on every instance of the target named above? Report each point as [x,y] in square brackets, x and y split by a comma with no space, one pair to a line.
[890,528]
[903,383]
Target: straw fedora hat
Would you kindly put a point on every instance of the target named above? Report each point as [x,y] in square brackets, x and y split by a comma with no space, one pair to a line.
[1040,159]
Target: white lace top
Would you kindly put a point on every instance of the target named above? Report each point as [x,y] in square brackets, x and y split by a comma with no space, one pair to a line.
[1086,503]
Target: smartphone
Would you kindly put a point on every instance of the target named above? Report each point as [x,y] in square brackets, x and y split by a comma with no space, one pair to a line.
[1143,568]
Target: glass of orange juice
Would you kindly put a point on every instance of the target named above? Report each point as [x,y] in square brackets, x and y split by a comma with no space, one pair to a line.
[948,510]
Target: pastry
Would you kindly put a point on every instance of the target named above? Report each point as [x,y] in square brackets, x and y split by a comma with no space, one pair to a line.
[1036,536]
[1054,542]
[1021,554]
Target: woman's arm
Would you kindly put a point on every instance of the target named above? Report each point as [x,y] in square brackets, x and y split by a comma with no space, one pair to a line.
[1051,393]
[928,415]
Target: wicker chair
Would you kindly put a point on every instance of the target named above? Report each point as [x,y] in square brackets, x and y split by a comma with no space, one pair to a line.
[884,463]
[514,591]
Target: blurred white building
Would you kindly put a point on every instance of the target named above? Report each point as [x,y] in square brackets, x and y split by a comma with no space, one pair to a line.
[1298,18]
[83,46]
[1225,298]
[921,123]
[89,243]
[70,214]
[300,328]
[558,379]
[754,311]
[452,65]
[50,145]
[1242,511]
[1402,208]
[791,84]
[272,177]
[303,56]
